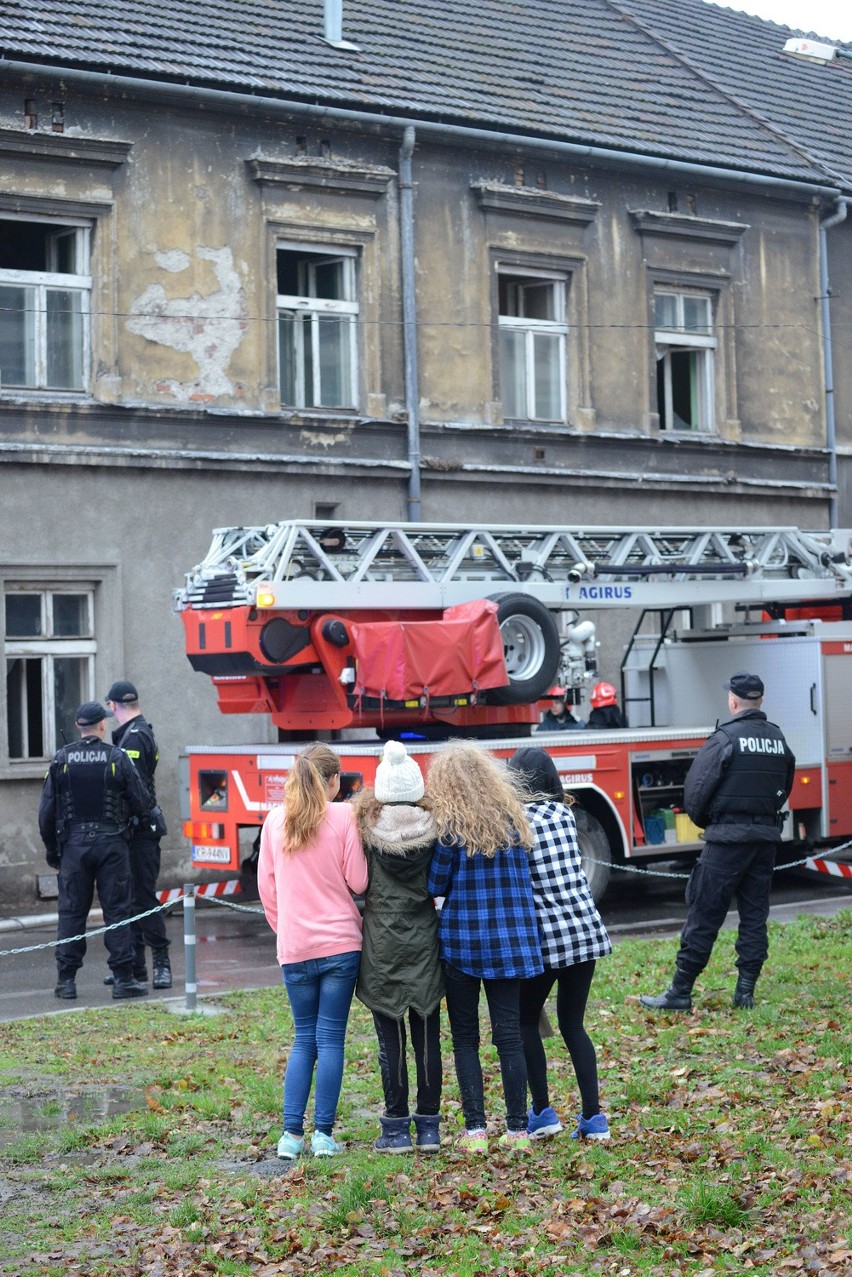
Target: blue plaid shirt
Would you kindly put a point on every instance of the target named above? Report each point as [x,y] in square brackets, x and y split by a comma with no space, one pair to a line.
[488,923]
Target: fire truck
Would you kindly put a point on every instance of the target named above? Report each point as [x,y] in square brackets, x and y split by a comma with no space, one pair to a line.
[357,632]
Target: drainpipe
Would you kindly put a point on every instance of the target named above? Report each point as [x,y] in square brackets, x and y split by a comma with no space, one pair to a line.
[835,219]
[409,320]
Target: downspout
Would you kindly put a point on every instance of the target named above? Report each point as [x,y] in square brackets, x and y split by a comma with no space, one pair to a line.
[409,320]
[835,219]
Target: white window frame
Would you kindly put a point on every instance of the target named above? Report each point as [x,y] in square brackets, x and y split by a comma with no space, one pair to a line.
[47,648]
[42,282]
[530,328]
[308,306]
[680,339]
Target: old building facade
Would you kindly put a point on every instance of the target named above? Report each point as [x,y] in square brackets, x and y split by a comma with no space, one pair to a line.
[350,285]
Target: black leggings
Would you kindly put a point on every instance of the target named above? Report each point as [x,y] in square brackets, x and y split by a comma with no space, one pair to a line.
[426,1044]
[572,994]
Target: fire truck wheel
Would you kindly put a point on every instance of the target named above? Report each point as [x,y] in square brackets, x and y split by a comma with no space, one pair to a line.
[530,646]
[595,851]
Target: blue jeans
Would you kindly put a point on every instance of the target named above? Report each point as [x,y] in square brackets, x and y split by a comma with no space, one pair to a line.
[320,992]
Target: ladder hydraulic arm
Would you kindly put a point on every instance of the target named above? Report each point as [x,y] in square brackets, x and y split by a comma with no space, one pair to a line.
[339,566]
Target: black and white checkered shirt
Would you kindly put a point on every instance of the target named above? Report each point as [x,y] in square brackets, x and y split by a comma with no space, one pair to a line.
[570,925]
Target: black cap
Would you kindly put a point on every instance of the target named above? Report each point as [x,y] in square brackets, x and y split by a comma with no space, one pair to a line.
[89,714]
[748,687]
[122,692]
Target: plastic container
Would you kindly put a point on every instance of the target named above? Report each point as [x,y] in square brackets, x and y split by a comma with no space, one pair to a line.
[655,830]
[668,817]
[685,829]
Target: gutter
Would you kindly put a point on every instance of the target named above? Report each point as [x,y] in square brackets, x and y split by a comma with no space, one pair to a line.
[103,81]
[839,215]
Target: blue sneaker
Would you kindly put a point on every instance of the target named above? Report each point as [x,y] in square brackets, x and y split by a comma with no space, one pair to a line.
[323,1145]
[591,1128]
[540,1125]
[290,1146]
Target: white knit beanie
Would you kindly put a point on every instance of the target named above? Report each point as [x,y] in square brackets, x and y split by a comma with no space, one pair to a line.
[398,778]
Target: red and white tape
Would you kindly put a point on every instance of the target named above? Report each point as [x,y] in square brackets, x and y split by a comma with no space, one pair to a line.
[233,887]
[833,867]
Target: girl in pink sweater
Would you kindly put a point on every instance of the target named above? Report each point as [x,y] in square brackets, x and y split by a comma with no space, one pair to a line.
[311,861]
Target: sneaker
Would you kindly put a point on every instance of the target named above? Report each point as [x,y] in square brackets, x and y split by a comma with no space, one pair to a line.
[473,1142]
[323,1145]
[290,1146]
[591,1128]
[515,1142]
[540,1125]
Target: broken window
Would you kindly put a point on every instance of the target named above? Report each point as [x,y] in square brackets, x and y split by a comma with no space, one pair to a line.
[685,343]
[533,332]
[317,328]
[50,653]
[45,291]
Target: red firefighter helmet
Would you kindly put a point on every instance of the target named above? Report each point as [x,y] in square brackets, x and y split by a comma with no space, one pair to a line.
[603,694]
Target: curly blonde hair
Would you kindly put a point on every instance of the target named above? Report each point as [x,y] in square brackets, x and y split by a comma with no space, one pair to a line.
[477,802]
[305,797]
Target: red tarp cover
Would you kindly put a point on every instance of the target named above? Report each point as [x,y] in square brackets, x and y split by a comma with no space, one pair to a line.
[401,660]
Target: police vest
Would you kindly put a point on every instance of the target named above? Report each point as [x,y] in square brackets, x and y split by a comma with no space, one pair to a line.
[90,784]
[139,727]
[754,784]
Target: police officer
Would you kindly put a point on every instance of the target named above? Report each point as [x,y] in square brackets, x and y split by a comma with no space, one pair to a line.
[735,789]
[135,736]
[90,791]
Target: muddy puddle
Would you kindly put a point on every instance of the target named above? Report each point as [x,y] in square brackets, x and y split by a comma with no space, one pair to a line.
[28,1110]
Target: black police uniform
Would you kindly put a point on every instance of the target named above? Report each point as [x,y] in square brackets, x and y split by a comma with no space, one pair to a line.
[735,789]
[136,738]
[89,793]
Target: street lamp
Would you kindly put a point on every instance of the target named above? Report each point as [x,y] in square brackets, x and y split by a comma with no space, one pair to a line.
[814,50]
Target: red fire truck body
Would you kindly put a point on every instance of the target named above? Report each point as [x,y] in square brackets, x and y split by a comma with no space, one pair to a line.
[461,642]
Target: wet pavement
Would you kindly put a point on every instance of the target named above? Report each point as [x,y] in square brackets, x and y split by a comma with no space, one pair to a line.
[236,950]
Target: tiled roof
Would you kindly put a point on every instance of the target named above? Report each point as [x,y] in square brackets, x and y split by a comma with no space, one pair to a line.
[652,76]
[810,104]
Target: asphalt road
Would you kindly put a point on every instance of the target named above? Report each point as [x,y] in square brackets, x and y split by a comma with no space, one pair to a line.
[235,948]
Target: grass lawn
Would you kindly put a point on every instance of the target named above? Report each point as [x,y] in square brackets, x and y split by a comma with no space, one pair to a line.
[730,1150]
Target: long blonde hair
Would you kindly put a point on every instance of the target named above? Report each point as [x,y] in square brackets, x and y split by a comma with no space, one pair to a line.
[476,801]
[306,796]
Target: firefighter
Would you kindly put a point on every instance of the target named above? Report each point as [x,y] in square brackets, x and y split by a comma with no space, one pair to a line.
[136,737]
[559,717]
[605,711]
[90,791]
[734,790]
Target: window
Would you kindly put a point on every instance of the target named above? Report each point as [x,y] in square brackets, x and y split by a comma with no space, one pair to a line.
[683,324]
[45,291]
[50,653]
[317,328]
[533,332]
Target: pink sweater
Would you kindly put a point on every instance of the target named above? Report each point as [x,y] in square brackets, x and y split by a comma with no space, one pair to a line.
[307,895]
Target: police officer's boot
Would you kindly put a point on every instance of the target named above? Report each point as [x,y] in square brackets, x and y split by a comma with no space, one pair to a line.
[677,997]
[162,969]
[126,987]
[744,992]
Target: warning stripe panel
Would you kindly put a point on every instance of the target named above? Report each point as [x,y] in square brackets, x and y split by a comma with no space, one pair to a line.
[834,867]
[233,887]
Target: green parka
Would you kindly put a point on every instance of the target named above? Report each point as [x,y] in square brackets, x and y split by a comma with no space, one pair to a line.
[400,967]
